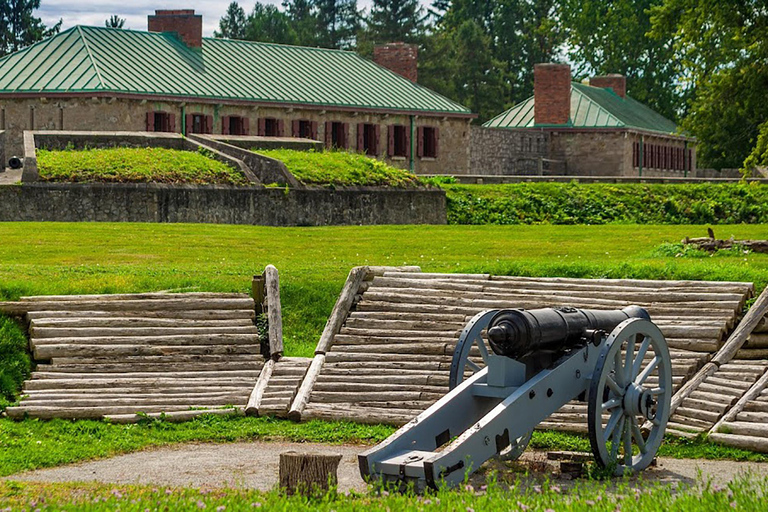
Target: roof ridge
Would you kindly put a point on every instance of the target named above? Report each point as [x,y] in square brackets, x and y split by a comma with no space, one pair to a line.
[90,56]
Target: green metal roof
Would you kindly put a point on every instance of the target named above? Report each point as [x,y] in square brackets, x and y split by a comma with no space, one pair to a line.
[591,107]
[98,59]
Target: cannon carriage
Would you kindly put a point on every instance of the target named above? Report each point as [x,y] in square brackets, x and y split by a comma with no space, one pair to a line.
[512,369]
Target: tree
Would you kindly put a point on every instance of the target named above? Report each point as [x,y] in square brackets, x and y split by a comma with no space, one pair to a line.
[19,27]
[396,20]
[233,24]
[612,36]
[303,20]
[723,49]
[267,24]
[115,21]
[338,22]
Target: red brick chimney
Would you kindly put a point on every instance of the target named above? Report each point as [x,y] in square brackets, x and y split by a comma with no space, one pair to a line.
[551,93]
[613,81]
[184,22]
[401,58]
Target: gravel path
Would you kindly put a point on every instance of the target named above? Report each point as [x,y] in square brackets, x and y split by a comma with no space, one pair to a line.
[255,466]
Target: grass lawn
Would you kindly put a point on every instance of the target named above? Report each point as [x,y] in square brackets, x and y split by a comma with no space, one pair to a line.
[135,165]
[341,168]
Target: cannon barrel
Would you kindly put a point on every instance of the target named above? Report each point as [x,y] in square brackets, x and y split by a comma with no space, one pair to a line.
[517,333]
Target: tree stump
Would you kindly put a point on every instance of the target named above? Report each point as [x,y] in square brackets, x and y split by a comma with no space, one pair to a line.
[308,473]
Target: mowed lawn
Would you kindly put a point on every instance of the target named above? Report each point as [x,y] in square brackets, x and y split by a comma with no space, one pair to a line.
[69,258]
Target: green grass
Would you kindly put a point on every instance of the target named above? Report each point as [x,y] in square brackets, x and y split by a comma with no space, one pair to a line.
[341,168]
[573,203]
[14,360]
[745,493]
[135,165]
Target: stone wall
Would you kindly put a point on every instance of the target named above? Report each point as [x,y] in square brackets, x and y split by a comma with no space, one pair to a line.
[122,114]
[219,204]
[497,151]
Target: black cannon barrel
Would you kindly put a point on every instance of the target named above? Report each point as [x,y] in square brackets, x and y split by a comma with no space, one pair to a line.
[517,333]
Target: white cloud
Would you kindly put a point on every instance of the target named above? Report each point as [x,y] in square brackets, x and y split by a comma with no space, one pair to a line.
[95,13]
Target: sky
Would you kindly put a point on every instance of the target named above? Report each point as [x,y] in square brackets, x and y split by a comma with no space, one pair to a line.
[95,12]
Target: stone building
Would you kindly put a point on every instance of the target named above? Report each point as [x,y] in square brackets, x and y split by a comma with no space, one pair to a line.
[596,129]
[172,79]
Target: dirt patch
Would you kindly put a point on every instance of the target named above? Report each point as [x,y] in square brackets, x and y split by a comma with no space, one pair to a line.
[255,466]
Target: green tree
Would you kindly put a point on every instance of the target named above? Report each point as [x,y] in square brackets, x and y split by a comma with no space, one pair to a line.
[303,20]
[396,20]
[269,25]
[233,24]
[338,23]
[612,36]
[723,49]
[19,27]
[115,21]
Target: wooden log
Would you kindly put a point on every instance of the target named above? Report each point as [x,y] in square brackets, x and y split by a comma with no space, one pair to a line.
[757,340]
[301,399]
[136,403]
[41,334]
[707,416]
[178,340]
[756,406]
[308,473]
[341,309]
[751,354]
[367,396]
[365,415]
[96,374]
[201,388]
[173,417]
[144,383]
[200,314]
[680,427]
[691,385]
[739,336]
[742,428]
[752,416]
[725,400]
[576,428]
[274,312]
[752,393]
[714,388]
[92,412]
[352,386]
[728,383]
[85,394]
[704,405]
[13,308]
[754,444]
[259,294]
[252,408]
[52,351]
[132,296]
[234,359]
[171,304]
[374,271]
[333,357]
[762,326]
[132,322]
[148,367]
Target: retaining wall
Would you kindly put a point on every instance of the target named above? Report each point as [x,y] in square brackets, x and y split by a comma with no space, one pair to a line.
[219,204]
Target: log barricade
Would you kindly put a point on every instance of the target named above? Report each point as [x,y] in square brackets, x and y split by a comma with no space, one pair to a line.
[388,356]
[124,357]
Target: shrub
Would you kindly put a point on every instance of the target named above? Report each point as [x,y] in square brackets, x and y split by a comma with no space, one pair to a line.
[15,363]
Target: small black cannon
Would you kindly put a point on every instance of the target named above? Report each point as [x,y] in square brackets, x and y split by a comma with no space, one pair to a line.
[539,360]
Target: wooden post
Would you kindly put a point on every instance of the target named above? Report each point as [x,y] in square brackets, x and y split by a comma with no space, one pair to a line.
[308,473]
[258,292]
[252,409]
[274,312]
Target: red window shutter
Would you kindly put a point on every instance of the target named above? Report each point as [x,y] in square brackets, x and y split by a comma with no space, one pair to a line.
[391,140]
[360,137]
[296,128]
[189,123]
[420,141]
[208,124]
[262,130]
[328,134]
[172,123]
[150,121]
[246,126]
[377,136]
[436,135]
[280,128]
[345,135]
[407,142]
[225,125]
[313,129]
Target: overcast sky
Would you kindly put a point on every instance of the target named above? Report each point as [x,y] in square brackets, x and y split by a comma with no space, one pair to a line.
[95,12]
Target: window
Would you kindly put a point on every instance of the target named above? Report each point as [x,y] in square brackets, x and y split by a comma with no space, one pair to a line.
[234,125]
[368,138]
[270,127]
[161,122]
[399,141]
[428,142]
[199,123]
[303,129]
[336,134]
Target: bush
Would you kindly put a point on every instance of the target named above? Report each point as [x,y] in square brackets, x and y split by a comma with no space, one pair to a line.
[573,203]
[341,168]
[15,364]
[135,165]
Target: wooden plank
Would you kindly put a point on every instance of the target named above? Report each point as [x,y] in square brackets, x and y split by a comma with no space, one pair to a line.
[274,312]
[341,309]
[252,408]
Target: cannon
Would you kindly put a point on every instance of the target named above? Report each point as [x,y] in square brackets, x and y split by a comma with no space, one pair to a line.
[511,369]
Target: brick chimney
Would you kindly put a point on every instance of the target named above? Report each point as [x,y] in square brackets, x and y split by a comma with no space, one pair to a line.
[401,58]
[613,81]
[551,93]
[184,22]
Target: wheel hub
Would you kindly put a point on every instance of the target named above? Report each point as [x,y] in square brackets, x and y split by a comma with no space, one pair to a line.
[639,401]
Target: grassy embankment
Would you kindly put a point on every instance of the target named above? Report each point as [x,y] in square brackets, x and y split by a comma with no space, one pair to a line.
[341,168]
[135,165]
[51,258]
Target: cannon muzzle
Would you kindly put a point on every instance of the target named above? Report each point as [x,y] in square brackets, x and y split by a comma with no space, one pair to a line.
[517,333]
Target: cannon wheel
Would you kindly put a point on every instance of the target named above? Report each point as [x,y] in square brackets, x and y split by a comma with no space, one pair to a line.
[472,336]
[627,412]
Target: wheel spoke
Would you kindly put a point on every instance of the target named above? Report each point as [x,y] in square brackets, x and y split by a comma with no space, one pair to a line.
[640,356]
[658,391]
[612,422]
[616,439]
[473,366]
[610,404]
[627,443]
[648,370]
[629,357]
[638,436]
[613,385]
[483,349]
[617,369]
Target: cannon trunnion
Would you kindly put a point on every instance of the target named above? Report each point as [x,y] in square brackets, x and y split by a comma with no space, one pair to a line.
[539,360]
